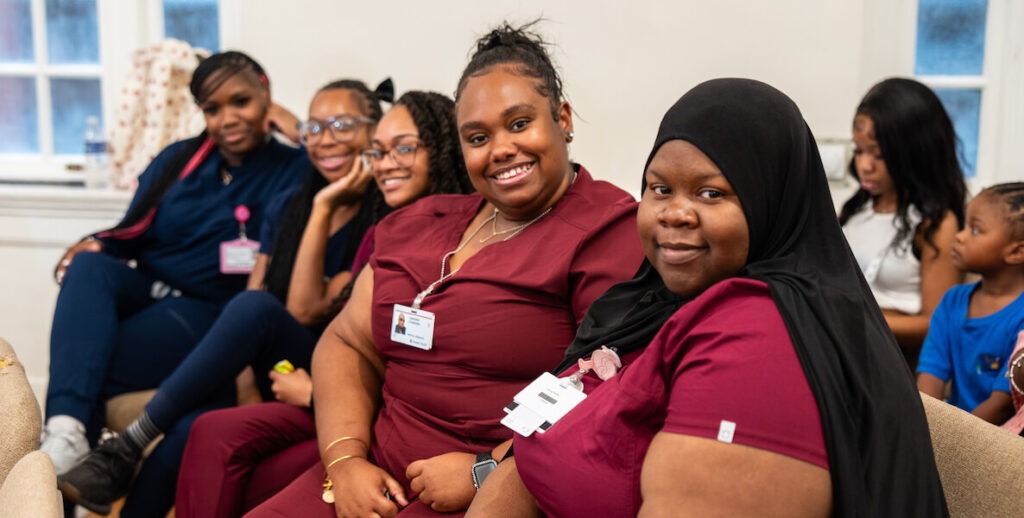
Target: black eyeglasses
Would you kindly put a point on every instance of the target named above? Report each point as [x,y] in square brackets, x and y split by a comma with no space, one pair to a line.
[343,128]
[403,154]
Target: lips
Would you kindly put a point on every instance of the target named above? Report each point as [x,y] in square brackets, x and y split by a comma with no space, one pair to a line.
[679,253]
[233,138]
[392,183]
[331,163]
[513,174]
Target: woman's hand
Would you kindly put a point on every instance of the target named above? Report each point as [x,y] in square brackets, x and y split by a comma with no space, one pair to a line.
[294,388]
[89,244]
[347,190]
[281,120]
[444,482]
[359,489]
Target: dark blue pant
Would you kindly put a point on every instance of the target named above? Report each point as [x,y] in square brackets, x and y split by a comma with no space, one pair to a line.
[110,335]
[254,329]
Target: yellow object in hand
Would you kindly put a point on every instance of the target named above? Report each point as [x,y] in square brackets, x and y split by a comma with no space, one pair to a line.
[284,367]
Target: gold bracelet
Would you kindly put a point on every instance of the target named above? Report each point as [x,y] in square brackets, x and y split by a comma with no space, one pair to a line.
[343,439]
[339,459]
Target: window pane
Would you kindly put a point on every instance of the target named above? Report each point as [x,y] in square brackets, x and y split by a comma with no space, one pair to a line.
[964,107]
[72,34]
[194,21]
[19,126]
[16,31]
[950,37]
[74,100]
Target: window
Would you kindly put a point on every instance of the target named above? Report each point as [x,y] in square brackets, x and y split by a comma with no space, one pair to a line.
[62,61]
[950,57]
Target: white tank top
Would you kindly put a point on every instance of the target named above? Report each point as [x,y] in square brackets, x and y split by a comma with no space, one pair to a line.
[893,272]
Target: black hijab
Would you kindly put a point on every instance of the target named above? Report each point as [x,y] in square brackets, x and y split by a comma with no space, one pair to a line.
[876,435]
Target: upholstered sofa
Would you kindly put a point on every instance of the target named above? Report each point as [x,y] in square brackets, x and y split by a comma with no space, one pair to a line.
[29,484]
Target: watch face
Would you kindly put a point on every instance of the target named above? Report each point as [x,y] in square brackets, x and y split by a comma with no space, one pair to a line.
[481,470]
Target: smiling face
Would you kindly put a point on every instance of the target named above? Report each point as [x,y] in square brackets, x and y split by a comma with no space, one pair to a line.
[331,157]
[690,220]
[234,114]
[515,150]
[400,185]
[870,164]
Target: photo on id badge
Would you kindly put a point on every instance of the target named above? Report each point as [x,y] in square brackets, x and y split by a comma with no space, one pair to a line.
[412,327]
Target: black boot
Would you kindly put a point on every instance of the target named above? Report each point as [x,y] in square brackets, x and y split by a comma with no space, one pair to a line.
[103,476]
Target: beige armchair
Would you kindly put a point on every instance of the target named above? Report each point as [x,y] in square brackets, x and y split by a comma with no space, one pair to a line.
[981,465]
[29,484]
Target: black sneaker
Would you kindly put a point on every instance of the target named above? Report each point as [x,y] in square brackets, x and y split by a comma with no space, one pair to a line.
[104,476]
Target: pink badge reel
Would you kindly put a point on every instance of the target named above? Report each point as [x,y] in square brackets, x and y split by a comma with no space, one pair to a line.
[239,255]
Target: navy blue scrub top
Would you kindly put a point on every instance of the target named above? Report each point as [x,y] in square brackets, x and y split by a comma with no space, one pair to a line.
[337,243]
[182,245]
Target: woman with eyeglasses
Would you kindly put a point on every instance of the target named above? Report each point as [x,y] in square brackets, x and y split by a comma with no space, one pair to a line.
[492,287]
[308,244]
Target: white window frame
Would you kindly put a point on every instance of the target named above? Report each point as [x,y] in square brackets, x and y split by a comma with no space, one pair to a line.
[124,26]
[890,39]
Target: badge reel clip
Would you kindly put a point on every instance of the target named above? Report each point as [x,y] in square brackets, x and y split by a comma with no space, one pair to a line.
[239,255]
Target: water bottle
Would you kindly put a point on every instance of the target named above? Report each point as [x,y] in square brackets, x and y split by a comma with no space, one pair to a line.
[96,174]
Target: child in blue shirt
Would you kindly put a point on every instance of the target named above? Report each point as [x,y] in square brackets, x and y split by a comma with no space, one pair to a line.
[973,331]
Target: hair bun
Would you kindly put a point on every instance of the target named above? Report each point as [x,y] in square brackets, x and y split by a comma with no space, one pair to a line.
[385,91]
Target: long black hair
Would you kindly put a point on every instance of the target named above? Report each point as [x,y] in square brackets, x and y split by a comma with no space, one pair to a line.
[434,117]
[208,76]
[919,146]
[296,214]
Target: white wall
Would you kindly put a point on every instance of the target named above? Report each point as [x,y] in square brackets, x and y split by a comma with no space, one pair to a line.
[623,63]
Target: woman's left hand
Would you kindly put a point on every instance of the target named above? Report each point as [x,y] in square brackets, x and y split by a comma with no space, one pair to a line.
[283,121]
[444,482]
[294,388]
[347,189]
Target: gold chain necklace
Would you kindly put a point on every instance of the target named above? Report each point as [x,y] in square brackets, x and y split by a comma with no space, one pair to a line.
[512,231]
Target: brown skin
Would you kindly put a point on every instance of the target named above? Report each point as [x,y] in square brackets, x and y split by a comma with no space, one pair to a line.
[694,233]
[989,247]
[504,124]
[938,274]
[235,115]
[400,185]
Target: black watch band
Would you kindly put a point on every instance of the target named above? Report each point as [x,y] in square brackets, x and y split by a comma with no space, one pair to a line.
[484,465]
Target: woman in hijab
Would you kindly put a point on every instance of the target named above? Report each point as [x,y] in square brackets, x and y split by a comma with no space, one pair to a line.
[775,388]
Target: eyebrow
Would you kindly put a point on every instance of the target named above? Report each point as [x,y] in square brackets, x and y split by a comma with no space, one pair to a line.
[396,138]
[701,178]
[504,115]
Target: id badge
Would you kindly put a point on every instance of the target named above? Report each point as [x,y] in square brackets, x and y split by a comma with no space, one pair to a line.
[412,327]
[541,404]
[238,255]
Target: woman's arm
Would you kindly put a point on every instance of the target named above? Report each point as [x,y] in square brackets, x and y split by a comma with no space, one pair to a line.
[503,495]
[347,378]
[693,476]
[309,296]
[259,270]
[444,482]
[996,409]
[938,275]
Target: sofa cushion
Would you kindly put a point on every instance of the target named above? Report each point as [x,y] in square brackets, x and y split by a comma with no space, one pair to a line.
[21,422]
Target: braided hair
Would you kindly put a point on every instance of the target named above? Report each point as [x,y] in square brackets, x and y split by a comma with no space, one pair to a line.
[524,52]
[207,78]
[434,117]
[289,232]
[916,137]
[1011,195]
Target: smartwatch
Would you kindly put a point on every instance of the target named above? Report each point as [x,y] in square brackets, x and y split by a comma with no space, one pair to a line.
[484,465]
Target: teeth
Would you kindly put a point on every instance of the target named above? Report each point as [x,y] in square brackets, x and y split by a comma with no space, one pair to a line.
[513,172]
[392,181]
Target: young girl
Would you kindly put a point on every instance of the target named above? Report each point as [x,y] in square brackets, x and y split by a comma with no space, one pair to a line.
[758,378]
[901,221]
[307,246]
[237,457]
[974,329]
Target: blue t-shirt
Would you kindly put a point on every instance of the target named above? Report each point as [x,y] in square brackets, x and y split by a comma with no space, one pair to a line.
[182,245]
[334,252]
[970,352]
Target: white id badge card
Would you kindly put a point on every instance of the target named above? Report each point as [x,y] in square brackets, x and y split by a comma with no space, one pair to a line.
[412,327]
[541,404]
[238,255]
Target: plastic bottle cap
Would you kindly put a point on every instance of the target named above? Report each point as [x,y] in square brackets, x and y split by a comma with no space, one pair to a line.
[242,213]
